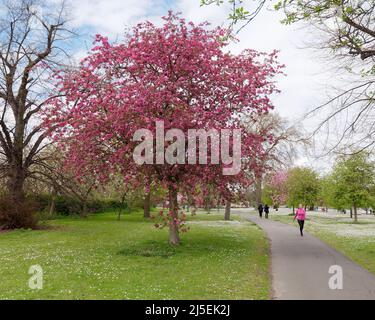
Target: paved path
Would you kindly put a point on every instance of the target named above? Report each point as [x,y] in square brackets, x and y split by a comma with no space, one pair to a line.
[300,266]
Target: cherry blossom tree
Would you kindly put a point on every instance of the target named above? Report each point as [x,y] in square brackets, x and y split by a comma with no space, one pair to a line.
[276,187]
[179,74]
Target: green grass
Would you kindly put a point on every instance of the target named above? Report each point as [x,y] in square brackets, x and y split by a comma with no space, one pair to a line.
[102,258]
[356,241]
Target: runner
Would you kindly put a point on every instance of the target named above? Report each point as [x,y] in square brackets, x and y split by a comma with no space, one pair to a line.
[301,217]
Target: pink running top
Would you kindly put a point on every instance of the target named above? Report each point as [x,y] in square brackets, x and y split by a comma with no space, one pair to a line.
[301,214]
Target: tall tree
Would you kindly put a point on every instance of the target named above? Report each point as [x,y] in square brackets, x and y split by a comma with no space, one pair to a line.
[29,54]
[178,74]
[354,181]
[303,187]
[327,193]
[346,33]
[276,191]
[280,149]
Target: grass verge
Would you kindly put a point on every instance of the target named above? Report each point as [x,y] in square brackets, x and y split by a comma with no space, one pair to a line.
[102,258]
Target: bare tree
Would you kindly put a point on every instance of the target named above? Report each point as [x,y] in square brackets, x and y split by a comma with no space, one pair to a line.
[345,34]
[31,50]
[280,151]
[346,38]
[50,172]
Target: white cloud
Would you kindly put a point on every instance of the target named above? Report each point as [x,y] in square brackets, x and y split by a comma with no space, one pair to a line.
[110,17]
[302,85]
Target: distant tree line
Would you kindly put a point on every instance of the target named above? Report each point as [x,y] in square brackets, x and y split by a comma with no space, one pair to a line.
[349,186]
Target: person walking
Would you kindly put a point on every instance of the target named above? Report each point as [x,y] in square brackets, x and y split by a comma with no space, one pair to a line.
[301,217]
[266,210]
[260,209]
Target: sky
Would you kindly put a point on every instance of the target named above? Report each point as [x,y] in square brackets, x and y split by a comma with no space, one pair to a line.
[306,80]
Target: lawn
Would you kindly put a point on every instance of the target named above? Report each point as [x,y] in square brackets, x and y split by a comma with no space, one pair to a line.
[102,258]
[355,240]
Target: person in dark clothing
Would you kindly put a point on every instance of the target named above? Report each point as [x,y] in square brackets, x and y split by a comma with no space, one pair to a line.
[260,209]
[301,226]
[266,210]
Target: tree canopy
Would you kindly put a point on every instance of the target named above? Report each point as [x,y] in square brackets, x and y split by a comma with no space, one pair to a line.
[353,177]
[178,75]
[303,186]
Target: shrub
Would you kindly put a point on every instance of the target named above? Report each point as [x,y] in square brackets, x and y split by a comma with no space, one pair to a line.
[66,206]
[41,201]
[17,215]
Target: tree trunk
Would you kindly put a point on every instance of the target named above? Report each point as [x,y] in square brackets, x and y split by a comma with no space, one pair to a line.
[227,210]
[147,205]
[258,191]
[123,196]
[207,203]
[174,238]
[53,204]
[351,213]
[355,213]
[16,178]
[20,218]
[84,212]
[17,173]
[15,183]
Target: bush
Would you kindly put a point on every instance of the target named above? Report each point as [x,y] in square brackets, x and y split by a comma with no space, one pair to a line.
[96,206]
[41,201]
[66,205]
[17,215]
